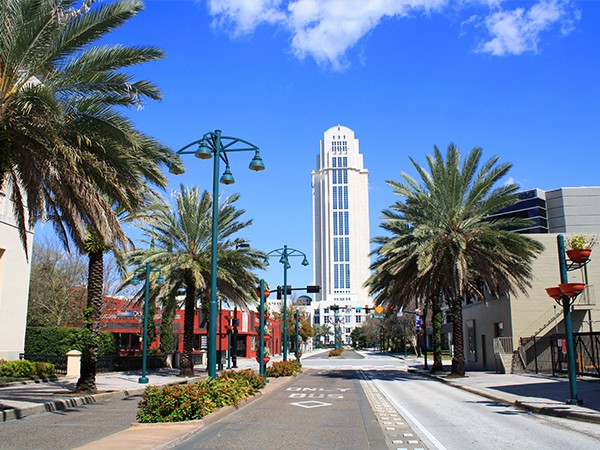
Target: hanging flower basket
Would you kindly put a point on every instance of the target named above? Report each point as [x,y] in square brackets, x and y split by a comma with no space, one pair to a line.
[554,292]
[571,289]
[267,337]
[580,255]
[266,359]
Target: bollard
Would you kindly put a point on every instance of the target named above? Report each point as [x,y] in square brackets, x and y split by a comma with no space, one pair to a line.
[73,363]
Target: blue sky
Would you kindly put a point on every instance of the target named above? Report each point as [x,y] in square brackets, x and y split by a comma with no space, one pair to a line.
[520,79]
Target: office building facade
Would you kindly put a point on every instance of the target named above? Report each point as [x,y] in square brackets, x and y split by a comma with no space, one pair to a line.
[341,234]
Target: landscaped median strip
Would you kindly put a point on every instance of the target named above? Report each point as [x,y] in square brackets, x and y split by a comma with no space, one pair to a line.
[164,435]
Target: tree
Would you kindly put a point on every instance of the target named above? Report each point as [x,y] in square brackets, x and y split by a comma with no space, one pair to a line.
[443,243]
[66,149]
[321,330]
[56,287]
[181,240]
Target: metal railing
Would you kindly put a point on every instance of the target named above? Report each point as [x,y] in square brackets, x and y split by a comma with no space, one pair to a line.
[503,345]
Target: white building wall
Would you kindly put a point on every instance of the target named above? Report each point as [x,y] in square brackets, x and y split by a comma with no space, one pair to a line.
[340,157]
[14,283]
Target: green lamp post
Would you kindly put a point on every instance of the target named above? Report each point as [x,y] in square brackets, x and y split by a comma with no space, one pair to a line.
[565,294]
[213,144]
[284,254]
[135,281]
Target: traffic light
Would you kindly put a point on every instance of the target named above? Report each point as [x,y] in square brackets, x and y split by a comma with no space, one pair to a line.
[313,289]
[367,309]
[280,291]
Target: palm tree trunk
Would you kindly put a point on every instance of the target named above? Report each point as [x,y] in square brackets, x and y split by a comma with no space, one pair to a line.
[187,359]
[436,326]
[458,360]
[89,358]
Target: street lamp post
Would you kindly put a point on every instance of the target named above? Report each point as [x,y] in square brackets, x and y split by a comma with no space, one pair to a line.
[297,313]
[262,369]
[213,144]
[337,331]
[285,253]
[135,281]
[565,294]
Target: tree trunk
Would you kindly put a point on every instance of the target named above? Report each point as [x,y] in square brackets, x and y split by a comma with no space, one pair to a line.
[89,358]
[187,359]
[436,326]
[458,360]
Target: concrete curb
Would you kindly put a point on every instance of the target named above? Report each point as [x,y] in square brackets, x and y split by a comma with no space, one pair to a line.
[65,403]
[559,411]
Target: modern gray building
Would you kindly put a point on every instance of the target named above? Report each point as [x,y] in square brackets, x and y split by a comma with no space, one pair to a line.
[499,332]
[341,232]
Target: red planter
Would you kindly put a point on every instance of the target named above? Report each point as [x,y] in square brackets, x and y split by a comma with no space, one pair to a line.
[579,256]
[266,359]
[554,292]
[267,337]
[571,289]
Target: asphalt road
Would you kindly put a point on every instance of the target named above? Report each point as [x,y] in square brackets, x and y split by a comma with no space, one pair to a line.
[318,410]
[69,428]
[447,418]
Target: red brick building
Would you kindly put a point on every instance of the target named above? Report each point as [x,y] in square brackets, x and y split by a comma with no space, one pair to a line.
[124,318]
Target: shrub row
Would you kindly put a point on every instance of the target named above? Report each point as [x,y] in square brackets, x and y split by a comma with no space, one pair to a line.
[284,369]
[336,351]
[177,403]
[60,340]
[25,369]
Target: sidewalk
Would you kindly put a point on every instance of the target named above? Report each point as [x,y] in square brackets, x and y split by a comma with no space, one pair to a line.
[539,394]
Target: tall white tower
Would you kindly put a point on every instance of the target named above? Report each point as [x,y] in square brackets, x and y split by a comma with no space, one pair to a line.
[341,233]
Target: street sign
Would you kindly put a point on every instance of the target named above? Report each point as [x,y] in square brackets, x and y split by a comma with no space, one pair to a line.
[379,309]
[377,316]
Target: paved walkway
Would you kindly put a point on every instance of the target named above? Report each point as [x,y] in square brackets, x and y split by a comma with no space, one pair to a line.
[540,394]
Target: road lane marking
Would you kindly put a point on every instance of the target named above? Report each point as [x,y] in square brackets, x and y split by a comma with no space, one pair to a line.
[311,404]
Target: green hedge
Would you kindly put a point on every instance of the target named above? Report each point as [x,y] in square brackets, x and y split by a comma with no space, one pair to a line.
[181,402]
[60,340]
[25,369]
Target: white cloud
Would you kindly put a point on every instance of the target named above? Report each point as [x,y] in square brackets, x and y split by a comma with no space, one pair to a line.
[518,30]
[245,15]
[326,29]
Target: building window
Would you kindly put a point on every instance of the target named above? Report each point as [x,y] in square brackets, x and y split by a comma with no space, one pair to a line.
[348,319]
[336,243]
[471,341]
[345,197]
[347,276]
[326,319]
[358,318]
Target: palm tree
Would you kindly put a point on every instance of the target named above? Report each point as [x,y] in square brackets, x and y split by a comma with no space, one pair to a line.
[443,243]
[182,250]
[66,149]
[68,154]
